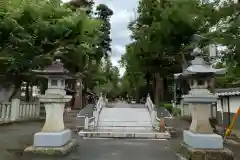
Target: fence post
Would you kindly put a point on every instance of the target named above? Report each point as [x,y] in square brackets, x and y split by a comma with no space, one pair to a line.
[37,109]
[95,115]
[153,116]
[15,108]
[86,121]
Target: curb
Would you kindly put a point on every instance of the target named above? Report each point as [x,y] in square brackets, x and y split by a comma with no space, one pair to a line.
[149,135]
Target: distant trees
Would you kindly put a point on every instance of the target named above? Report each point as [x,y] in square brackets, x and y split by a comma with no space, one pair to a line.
[162,40]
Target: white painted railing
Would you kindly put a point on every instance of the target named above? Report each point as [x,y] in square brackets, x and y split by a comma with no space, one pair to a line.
[27,109]
[16,110]
[97,110]
[91,122]
[5,111]
[152,110]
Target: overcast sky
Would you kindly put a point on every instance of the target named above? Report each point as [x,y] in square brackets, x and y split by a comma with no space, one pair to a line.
[124,11]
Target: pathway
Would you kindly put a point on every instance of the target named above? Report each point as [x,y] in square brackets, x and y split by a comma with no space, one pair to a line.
[87,149]
[122,120]
[125,117]
[15,138]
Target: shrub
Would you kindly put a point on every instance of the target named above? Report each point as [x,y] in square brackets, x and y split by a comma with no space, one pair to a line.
[167,106]
[176,112]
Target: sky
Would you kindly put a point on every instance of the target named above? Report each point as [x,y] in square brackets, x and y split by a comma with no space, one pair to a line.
[124,12]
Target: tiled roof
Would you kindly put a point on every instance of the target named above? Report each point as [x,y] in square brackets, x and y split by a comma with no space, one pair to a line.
[228,91]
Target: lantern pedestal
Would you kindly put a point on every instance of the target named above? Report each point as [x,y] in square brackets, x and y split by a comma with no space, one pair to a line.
[54,138]
[186,152]
[200,134]
[199,142]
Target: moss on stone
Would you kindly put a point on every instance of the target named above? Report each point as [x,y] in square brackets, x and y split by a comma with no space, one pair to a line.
[51,150]
[204,154]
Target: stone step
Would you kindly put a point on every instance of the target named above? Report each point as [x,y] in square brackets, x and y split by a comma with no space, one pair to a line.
[125,123]
[131,135]
[125,128]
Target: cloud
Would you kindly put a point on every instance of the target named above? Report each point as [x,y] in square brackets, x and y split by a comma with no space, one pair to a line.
[117,50]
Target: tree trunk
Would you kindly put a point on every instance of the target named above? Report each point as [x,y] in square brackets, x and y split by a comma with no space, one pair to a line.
[184,61]
[158,89]
[78,102]
[17,87]
[84,95]
[27,95]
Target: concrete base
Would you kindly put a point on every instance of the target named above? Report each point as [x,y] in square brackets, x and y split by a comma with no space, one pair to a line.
[140,135]
[186,152]
[52,139]
[63,150]
[210,141]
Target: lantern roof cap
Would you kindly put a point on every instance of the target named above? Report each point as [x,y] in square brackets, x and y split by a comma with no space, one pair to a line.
[199,66]
[55,69]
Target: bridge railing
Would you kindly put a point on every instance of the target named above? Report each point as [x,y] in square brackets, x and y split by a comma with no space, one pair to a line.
[152,110]
[91,122]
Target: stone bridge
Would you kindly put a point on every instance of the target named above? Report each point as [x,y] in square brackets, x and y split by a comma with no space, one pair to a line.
[123,120]
[16,136]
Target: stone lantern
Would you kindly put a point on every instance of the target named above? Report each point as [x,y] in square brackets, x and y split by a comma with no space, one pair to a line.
[53,138]
[200,139]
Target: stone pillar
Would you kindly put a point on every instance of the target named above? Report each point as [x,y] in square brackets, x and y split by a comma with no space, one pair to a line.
[15,104]
[37,109]
[200,119]
[86,122]
[154,116]
[54,117]
[95,115]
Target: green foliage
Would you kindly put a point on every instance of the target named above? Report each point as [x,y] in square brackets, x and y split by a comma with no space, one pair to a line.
[167,106]
[33,33]
[162,40]
[176,112]
[104,13]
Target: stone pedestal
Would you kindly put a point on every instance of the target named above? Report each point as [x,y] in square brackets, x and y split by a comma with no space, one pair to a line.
[203,141]
[200,119]
[186,152]
[54,138]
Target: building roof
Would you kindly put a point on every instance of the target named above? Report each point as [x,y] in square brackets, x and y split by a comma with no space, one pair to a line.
[228,91]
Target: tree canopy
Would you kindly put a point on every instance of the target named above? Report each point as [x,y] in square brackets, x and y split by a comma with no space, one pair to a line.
[34,33]
[162,39]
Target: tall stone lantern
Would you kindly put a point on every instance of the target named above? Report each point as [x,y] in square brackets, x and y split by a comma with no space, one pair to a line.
[53,138]
[199,140]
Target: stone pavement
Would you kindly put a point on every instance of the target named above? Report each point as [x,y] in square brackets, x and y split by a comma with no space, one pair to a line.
[124,117]
[15,138]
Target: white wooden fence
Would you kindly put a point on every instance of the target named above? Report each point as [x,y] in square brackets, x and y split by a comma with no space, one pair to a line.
[17,111]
